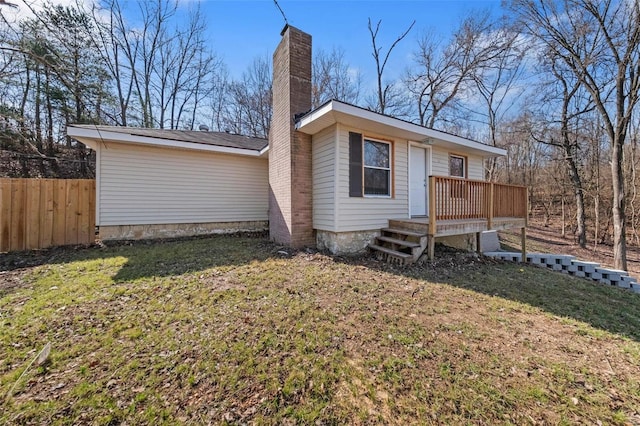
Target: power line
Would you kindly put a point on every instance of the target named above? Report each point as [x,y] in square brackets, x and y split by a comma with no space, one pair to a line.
[281,11]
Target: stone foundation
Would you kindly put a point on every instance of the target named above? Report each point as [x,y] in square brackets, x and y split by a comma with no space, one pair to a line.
[345,242]
[173,230]
[462,241]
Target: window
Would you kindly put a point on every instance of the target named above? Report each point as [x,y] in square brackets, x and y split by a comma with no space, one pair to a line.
[377,168]
[369,167]
[457,166]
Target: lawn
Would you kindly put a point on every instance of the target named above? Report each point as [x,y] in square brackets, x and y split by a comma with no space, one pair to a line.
[233,330]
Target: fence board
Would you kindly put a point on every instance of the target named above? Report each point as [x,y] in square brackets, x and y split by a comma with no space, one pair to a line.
[17,214]
[46,213]
[71,212]
[40,213]
[5,217]
[83,211]
[59,216]
[92,210]
[32,211]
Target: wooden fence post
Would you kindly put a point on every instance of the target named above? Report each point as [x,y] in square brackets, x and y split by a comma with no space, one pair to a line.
[523,242]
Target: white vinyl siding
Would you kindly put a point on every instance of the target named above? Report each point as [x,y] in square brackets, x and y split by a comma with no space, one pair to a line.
[440,164]
[151,185]
[324,171]
[368,213]
[475,168]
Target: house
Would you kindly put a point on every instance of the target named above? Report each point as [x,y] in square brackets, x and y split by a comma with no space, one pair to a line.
[338,177]
[166,183]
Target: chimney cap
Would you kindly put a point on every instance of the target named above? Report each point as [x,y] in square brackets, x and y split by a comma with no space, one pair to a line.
[287,26]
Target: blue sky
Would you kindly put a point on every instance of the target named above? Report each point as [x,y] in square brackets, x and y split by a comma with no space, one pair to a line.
[240,30]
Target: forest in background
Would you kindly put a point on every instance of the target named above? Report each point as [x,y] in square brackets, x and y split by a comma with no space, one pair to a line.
[555,83]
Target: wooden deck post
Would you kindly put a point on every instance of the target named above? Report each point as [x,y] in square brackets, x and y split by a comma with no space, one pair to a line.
[432,218]
[490,208]
[478,240]
[523,242]
[526,207]
[431,248]
[432,205]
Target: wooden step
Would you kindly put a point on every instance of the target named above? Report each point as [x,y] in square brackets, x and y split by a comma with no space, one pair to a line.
[403,243]
[404,232]
[390,252]
[421,226]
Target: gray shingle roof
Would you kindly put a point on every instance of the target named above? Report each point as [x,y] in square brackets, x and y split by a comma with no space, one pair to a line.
[208,138]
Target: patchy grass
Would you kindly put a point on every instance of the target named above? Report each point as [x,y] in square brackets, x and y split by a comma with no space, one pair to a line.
[225,330]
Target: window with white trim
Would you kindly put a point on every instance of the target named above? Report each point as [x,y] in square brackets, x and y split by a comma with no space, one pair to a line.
[377,168]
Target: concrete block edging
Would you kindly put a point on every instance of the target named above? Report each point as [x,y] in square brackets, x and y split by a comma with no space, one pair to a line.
[570,265]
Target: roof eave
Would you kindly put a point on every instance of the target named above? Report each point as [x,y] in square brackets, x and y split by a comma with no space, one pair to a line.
[338,112]
[93,137]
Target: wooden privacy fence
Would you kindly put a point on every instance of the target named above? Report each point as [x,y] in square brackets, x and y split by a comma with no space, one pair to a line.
[41,213]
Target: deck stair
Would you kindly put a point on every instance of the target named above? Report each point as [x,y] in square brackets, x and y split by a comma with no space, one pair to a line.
[396,244]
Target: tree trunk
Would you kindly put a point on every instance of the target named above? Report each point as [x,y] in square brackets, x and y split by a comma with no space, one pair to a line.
[49,148]
[579,195]
[618,208]
[37,117]
[564,224]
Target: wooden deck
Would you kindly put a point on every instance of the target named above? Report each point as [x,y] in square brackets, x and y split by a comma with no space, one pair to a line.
[448,227]
[456,207]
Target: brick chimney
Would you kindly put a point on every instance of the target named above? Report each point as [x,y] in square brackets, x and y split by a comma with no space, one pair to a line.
[290,191]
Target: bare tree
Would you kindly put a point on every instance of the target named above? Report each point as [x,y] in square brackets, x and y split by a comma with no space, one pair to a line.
[249,101]
[216,102]
[444,71]
[599,41]
[387,96]
[185,65]
[113,45]
[569,114]
[333,78]
[162,69]
[497,85]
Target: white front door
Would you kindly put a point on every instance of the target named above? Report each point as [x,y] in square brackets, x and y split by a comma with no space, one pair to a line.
[418,180]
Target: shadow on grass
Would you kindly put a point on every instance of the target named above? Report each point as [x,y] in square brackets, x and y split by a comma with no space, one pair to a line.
[154,258]
[606,308]
[181,257]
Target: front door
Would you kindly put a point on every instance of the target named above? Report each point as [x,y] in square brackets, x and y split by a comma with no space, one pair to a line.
[418,183]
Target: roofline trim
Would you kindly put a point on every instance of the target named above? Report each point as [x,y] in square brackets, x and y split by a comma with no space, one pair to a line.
[90,137]
[345,108]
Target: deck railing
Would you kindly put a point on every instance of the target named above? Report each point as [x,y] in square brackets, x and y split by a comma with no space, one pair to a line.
[459,199]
